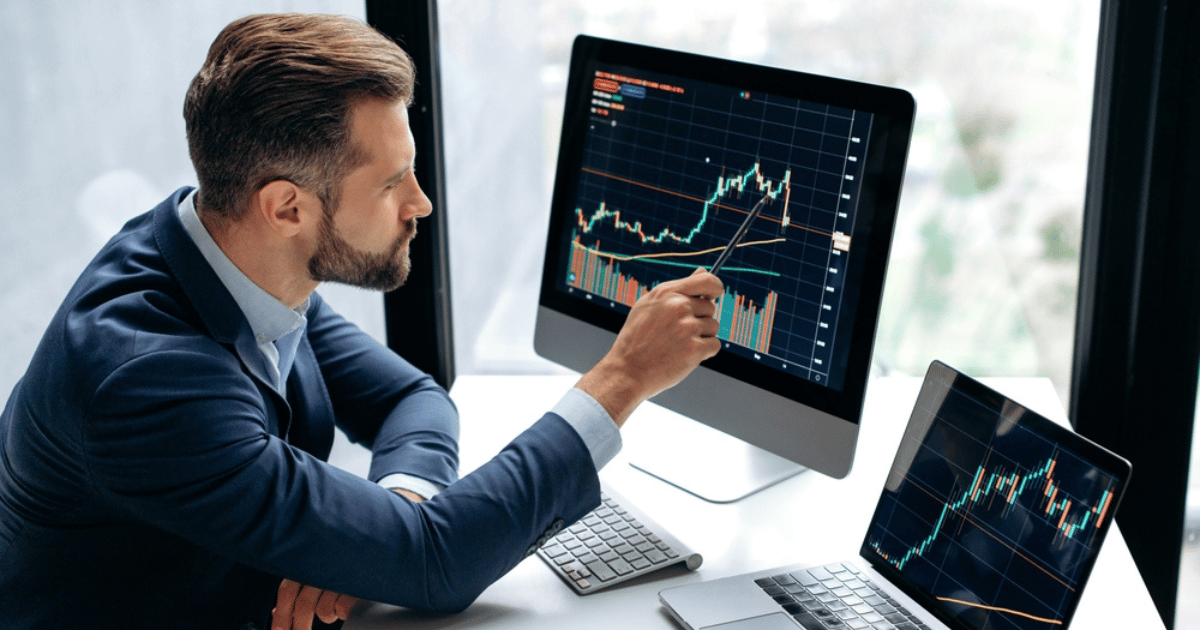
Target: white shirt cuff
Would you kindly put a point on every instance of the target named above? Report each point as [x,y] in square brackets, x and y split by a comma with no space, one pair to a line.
[597,429]
[413,484]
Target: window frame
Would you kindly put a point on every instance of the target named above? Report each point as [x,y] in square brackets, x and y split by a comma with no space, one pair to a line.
[1137,338]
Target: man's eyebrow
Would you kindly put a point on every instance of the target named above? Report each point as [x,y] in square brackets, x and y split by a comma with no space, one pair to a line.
[400,174]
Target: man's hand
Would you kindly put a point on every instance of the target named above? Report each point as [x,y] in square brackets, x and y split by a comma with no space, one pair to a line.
[297,604]
[668,333]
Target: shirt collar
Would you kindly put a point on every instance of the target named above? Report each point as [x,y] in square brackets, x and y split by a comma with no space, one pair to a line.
[269,318]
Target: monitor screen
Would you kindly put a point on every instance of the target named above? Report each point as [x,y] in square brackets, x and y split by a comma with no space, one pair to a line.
[662,156]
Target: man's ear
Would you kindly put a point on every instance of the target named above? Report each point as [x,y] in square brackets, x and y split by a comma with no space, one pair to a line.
[285,207]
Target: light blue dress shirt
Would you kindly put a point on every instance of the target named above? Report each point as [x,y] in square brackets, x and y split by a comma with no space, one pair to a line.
[277,331]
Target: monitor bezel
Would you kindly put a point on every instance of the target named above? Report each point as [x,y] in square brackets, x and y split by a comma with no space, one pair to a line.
[893,111]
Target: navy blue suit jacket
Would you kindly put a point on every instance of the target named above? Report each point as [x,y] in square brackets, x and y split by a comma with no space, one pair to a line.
[149,480]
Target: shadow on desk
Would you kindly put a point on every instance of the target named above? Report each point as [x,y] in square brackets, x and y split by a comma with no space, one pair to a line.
[383,617]
[372,616]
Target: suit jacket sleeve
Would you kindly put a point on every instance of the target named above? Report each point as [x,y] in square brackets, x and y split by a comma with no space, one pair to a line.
[384,403]
[197,462]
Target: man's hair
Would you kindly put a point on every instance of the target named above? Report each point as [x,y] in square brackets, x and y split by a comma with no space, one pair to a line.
[273,102]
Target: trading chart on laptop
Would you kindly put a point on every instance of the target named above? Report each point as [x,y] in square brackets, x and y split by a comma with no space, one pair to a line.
[992,516]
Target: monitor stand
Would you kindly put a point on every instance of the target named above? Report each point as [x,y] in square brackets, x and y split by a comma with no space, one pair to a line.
[699,459]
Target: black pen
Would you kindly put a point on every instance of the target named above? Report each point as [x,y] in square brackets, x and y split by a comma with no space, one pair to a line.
[737,237]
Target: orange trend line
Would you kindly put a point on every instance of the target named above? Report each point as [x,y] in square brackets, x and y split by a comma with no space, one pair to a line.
[1010,611]
[680,254]
[761,217]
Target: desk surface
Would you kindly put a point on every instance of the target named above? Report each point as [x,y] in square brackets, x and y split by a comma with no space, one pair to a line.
[809,518]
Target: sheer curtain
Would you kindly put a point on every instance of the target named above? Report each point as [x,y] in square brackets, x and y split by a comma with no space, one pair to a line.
[91,134]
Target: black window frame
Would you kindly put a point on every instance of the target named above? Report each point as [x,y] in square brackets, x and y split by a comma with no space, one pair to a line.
[418,317]
[1137,333]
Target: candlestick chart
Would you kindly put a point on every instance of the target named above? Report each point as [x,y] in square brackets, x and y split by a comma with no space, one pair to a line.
[668,174]
[1003,527]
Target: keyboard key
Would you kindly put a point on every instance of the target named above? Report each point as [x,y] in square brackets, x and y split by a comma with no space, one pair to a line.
[873,617]
[808,621]
[601,571]
[805,578]
[620,566]
[820,573]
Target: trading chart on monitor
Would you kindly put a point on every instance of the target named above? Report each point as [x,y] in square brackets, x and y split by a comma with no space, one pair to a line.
[670,169]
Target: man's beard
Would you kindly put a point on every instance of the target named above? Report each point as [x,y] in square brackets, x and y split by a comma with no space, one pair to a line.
[335,260]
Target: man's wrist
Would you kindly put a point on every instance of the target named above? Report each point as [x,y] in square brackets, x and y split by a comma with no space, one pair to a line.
[588,417]
[613,388]
[416,485]
[408,494]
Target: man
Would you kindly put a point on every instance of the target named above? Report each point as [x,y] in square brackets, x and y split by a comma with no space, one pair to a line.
[162,462]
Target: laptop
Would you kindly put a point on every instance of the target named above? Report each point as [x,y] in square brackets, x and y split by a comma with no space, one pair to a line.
[991,518]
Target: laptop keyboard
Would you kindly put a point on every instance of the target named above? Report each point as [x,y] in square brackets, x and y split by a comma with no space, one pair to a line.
[838,597]
[611,544]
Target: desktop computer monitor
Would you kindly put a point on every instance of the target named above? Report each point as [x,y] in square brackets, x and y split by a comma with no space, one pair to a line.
[662,155]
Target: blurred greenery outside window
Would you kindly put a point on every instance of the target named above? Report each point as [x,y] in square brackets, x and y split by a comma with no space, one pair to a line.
[984,265]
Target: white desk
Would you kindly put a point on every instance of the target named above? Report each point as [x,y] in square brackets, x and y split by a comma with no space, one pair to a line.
[806,519]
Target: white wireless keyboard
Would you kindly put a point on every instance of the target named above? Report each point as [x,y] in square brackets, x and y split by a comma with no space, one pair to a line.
[613,543]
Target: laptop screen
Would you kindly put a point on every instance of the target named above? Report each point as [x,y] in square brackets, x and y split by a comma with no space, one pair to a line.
[992,515]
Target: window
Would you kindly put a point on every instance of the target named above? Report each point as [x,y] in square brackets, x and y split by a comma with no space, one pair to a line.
[985,258]
[91,135]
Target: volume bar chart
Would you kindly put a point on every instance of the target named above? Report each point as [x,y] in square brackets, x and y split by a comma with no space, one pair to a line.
[601,275]
[744,323]
[741,320]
